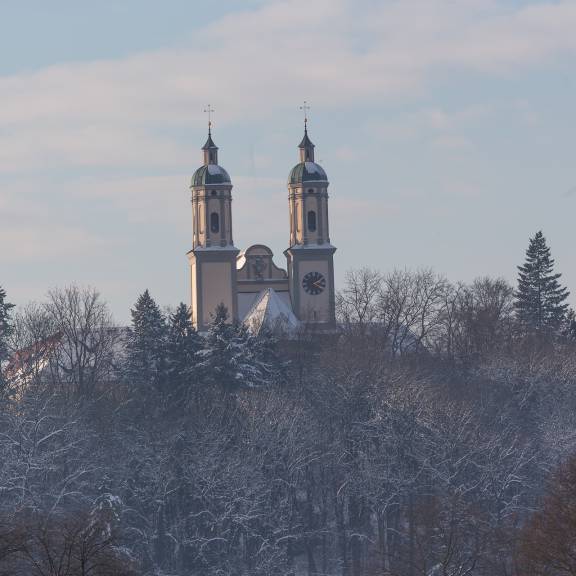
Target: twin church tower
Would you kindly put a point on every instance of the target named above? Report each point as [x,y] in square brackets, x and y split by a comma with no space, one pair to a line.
[248,283]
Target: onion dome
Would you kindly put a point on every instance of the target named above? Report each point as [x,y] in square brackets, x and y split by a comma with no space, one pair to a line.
[307,170]
[211,173]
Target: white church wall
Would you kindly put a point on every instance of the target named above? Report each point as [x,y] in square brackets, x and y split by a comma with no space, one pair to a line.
[216,287]
[194,292]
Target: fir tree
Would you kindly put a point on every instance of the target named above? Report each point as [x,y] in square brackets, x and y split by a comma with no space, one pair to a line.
[146,345]
[263,349]
[5,326]
[182,348]
[571,325]
[233,359]
[540,299]
[5,331]
[217,358]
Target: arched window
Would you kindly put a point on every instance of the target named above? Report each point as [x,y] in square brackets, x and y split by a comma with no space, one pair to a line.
[214,223]
[312,221]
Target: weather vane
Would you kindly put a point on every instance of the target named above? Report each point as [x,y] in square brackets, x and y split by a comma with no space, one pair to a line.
[209,110]
[305,109]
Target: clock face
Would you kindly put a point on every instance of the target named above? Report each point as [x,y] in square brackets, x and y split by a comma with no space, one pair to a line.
[314,283]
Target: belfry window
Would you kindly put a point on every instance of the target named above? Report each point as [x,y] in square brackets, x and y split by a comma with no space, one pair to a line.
[312,221]
[214,223]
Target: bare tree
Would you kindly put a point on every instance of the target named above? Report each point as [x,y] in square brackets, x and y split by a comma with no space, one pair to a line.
[547,542]
[400,312]
[483,317]
[410,309]
[74,544]
[67,344]
[357,303]
[84,359]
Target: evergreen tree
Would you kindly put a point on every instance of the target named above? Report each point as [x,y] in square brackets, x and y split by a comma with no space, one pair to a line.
[571,325]
[5,331]
[217,358]
[264,355]
[146,345]
[5,326]
[182,348]
[233,359]
[540,299]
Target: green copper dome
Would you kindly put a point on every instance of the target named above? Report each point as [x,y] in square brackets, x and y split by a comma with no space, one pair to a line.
[210,174]
[307,172]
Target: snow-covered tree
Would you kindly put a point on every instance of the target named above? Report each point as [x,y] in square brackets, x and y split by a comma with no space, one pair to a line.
[571,324]
[540,299]
[264,354]
[182,347]
[5,331]
[223,355]
[361,464]
[43,544]
[5,324]
[146,345]
[232,358]
[547,541]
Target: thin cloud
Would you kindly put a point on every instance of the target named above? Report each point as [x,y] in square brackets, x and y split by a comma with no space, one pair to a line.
[126,116]
[47,243]
[108,112]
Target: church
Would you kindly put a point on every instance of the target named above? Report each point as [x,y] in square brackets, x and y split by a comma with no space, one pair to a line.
[253,288]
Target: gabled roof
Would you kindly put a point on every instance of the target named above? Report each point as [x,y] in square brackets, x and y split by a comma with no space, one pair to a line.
[32,359]
[271,312]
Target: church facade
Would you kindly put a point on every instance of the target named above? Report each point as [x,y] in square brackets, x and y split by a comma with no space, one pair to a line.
[251,286]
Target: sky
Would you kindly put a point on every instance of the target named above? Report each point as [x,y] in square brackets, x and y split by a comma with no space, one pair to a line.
[446,128]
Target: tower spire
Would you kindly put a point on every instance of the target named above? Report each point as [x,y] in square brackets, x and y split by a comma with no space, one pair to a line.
[209,110]
[306,146]
[210,149]
[305,107]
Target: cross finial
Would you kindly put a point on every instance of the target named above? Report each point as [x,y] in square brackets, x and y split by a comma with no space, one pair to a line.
[209,110]
[305,107]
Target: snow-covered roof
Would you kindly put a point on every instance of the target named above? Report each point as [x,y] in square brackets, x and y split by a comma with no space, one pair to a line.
[271,312]
[241,259]
[307,172]
[58,350]
[210,174]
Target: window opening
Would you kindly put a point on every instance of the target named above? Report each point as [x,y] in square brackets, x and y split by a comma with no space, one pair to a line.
[214,222]
[312,221]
